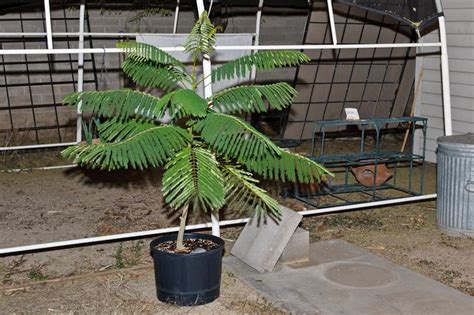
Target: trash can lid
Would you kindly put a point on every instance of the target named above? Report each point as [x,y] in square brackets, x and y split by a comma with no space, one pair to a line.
[464,140]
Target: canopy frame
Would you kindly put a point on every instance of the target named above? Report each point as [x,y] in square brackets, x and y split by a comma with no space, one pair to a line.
[215,224]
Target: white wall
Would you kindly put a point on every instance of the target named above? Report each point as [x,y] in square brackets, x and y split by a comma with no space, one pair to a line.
[460,35]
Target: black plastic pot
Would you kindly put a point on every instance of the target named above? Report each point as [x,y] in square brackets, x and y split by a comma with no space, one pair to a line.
[188,279]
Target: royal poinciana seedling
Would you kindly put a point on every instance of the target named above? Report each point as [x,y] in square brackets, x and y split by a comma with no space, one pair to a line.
[209,155]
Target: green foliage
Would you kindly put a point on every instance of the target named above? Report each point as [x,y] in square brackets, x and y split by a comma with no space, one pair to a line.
[121,104]
[125,104]
[88,129]
[147,53]
[135,144]
[202,38]
[148,74]
[119,259]
[193,177]
[207,165]
[36,274]
[150,66]
[183,103]
[262,60]
[251,98]
[233,137]
[128,257]
[243,193]
[287,167]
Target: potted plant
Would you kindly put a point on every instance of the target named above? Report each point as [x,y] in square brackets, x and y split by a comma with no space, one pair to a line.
[209,156]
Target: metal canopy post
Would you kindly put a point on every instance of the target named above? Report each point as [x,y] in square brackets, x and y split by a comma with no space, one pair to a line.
[206,62]
[258,22]
[206,69]
[49,30]
[448,127]
[446,89]
[258,25]
[176,17]
[331,22]
[80,69]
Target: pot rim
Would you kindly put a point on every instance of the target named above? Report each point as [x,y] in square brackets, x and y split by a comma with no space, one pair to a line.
[219,241]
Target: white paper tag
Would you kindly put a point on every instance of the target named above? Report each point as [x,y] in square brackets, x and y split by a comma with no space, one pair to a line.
[352,114]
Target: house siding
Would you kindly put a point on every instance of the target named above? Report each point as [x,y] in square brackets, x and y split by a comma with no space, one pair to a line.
[460,39]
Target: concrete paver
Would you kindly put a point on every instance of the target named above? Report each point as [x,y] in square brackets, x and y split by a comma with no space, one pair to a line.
[341,278]
[297,249]
[261,242]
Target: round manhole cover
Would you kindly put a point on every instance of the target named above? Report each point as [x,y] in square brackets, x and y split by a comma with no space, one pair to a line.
[360,275]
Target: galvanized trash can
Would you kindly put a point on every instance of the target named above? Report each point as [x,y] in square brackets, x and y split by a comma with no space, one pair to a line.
[455,185]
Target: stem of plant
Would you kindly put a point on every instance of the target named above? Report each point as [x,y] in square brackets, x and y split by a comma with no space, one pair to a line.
[193,75]
[182,225]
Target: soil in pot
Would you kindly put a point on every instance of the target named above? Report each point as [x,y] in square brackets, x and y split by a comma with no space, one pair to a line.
[192,245]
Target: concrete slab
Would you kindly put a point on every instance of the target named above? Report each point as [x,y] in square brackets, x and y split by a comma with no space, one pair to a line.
[341,278]
[297,249]
[261,243]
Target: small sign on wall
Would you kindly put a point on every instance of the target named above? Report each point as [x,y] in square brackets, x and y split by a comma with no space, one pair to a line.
[352,113]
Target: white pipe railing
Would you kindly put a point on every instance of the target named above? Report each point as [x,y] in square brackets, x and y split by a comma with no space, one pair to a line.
[62,51]
[37,146]
[144,234]
[88,34]
[42,168]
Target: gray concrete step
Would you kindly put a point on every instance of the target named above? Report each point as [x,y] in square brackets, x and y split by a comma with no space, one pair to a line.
[341,278]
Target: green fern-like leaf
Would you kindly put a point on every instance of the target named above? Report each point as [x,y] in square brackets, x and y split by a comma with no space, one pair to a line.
[193,177]
[242,193]
[202,37]
[183,103]
[148,75]
[122,104]
[144,53]
[287,167]
[262,60]
[234,138]
[251,98]
[125,103]
[132,144]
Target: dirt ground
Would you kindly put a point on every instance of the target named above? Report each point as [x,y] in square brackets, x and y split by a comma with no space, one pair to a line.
[127,291]
[53,205]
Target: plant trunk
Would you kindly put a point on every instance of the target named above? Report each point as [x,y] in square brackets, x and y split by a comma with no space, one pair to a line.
[182,225]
